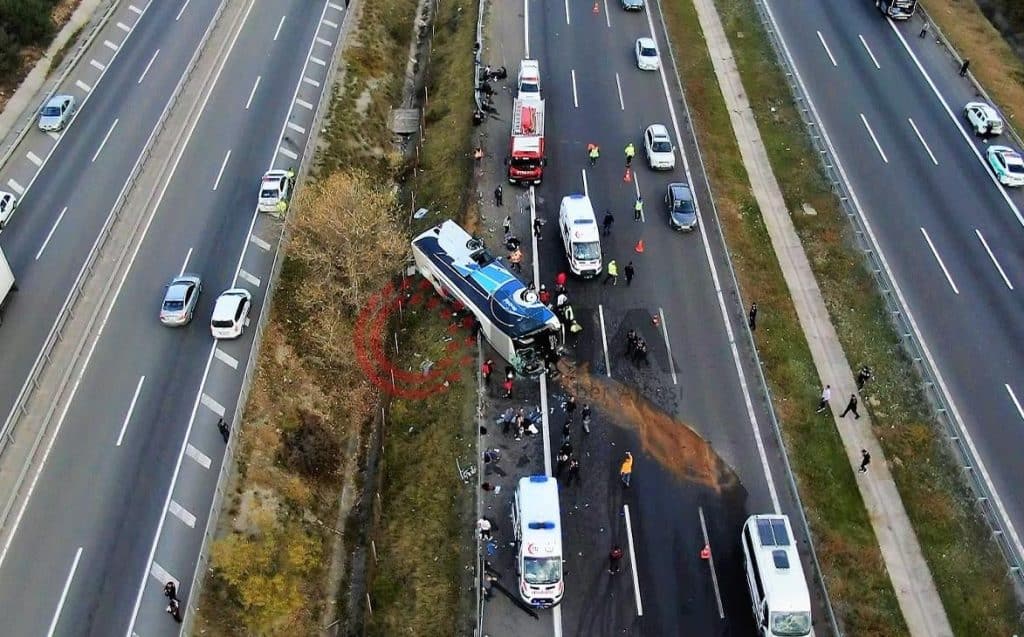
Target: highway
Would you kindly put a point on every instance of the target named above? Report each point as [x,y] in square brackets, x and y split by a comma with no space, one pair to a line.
[595,94]
[94,540]
[891,105]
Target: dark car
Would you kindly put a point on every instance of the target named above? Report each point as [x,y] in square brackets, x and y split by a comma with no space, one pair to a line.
[633,5]
[682,214]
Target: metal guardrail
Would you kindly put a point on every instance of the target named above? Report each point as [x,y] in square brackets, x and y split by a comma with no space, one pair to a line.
[756,357]
[84,274]
[894,304]
[228,463]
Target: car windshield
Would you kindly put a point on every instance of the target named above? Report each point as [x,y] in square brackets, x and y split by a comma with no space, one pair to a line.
[661,146]
[222,323]
[684,206]
[542,570]
[529,87]
[791,624]
[586,251]
[525,163]
[647,51]
[268,193]
[51,111]
[174,305]
[1014,165]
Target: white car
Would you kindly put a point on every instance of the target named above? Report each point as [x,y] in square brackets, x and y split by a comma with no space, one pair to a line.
[57,112]
[276,190]
[661,154]
[230,313]
[1007,165]
[529,79]
[8,203]
[646,55]
[984,119]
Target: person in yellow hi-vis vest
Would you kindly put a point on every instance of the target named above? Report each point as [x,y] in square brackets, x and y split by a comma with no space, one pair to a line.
[593,152]
[630,153]
[613,273]
[638,209]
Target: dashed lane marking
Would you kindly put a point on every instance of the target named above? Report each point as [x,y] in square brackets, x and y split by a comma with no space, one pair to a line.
[317,61]
[182,514]
[212,405]
[310,81]
[335,7]
[324,41]
[124,27]
[53,135]
[82,85]
[298,129]
[263,245]
[197,455]
[162,575]
[97,64]
[16,187]
[34,158]
[333,25]
[134,9]
[110,45]
[249,278]
[287,153]
[226,358]
[304,104]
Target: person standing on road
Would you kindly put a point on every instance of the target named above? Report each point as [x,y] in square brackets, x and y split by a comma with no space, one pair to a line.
[538,224]
[963,67]
[826,394]
[851,406]
[506,226]
[570,407]
[170,590]
[483,525]
[560,280]
[609,219]
[507,386]
[629,271]
[626,469]
[515,260]
[225,431]
[614,558]
[865,460]
[613,273]
[630,152]
[638,208]
[752,317]
[563,462]
[174,609]
[485,371]
[543,295]
[572,472]
[593,152]
[497,200]
[924,29]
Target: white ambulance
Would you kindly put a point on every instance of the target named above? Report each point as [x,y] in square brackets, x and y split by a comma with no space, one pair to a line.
[538,528]
[778,590]
[580,235]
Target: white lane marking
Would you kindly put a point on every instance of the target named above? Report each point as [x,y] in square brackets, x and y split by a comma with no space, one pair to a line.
[288,153]
[207,401]
[1016,403]
[134,9]
[279,25]
[923,143]
[873,138]
[97,65]
[131,410]
[333,25]
[105,138]
[64,593]
[336,7]
[182,514]
[567,12]
[935,253]
[50,233]
[184,264]
[83,86]
[304,104]
[54,136]
[668,346]
[311,82]
[16,187]
[636,187]
[324,41]
[178,17]
[317,61]
[146,70]
[868,49]
[161,575]
[252,92]
[251,279]
[110,45]
[604,342]
[711,562]
[220,173]
[632,562]
[526,28]
[1002,191]
[733,348]
[575,97]
[607,15]
[821,39]
[34,158]
[124,27]
[992,256]
[618,85]
[198,456]
[263,245]
[298,129]
[585,191]
[226,358]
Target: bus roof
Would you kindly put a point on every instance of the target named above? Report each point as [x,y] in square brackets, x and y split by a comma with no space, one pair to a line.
[782,573]
[486,282]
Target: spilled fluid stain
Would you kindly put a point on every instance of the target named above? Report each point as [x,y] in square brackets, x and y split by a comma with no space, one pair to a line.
[674,444]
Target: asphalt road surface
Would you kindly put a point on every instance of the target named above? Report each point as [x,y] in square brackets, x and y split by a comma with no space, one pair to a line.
[87,535]
[595,94]
[891,103]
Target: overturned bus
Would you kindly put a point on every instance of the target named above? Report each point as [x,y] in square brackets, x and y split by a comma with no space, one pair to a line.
[523,331]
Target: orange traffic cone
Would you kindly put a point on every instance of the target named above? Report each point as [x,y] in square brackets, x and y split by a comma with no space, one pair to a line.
[639,246]
[705,553]
[655,320]
[596,10]
[628,177]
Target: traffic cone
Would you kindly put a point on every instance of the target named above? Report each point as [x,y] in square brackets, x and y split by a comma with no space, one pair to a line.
[628,177]
[705,553]
[655,320]
[596,10]
[639,246]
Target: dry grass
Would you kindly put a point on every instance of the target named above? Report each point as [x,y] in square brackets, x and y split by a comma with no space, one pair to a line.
[996,66]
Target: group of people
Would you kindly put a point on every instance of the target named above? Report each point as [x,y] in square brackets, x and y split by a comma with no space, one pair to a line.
[567,462]
[636,347]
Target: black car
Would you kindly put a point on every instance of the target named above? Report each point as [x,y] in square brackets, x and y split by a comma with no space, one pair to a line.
[682,214]
[633,5]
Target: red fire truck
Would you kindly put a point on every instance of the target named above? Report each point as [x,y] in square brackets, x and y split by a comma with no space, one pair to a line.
[526,149]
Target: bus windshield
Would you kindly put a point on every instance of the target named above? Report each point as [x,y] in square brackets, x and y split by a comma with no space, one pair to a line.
[794,624]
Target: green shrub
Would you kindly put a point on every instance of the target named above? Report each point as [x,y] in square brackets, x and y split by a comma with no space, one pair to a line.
[29,21]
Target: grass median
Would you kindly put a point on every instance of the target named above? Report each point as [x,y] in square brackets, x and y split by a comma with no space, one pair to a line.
[973,585]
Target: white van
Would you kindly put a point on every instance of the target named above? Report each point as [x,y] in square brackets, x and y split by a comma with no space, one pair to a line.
[581,236]
[538,528]
[778,590]
[529,79]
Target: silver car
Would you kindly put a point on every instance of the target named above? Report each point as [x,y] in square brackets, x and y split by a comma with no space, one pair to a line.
[180,300]
[57,112]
